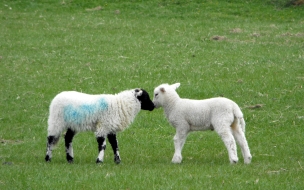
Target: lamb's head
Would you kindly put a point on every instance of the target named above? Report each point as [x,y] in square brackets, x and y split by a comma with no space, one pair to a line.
[144,99]
[164,94]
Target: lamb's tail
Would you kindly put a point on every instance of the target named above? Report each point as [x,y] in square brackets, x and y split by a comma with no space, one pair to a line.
[239,118]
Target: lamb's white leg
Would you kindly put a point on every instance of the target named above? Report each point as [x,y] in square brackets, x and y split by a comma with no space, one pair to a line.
[241,140]
[227,137]
[101,148]
[179,141]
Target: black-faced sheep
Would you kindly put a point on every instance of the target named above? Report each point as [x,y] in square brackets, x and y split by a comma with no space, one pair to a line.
[103,114]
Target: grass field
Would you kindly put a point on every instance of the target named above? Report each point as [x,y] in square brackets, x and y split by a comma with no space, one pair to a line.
[249,51]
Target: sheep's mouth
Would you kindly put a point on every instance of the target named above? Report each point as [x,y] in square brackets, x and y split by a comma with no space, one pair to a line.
[149,107]
[152,108]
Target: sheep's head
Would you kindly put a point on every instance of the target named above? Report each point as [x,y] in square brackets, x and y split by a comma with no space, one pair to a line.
[144,99]
[165,93]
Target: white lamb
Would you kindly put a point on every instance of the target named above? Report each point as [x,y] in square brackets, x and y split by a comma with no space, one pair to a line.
[103,114]
[219,114]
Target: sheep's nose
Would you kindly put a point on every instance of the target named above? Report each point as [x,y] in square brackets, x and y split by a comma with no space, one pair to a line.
[152,107]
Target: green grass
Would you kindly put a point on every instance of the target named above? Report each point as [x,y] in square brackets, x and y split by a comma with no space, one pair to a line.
[50,46]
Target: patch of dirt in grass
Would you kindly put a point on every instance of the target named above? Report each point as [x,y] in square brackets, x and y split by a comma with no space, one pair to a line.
[98,8]
[299,34]
[3,141]
[300,78]
[236,30]
[255,34]
[7,163]
[290,34]
[255,106]
[295,3]
[240,81]
[219,38]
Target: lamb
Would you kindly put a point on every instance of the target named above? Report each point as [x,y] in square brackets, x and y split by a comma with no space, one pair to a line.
[104,114]
[219,114]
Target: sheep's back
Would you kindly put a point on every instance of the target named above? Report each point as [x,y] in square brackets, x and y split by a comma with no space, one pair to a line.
[76,109]
[104,112]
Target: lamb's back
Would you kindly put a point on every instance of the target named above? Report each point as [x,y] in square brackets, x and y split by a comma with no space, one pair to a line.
[206,107]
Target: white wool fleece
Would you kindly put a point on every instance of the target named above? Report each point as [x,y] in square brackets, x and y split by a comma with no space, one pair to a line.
[85,112]
[219,114]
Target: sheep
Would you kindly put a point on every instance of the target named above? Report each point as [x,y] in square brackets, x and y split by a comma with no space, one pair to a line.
[219,114]
[104,114]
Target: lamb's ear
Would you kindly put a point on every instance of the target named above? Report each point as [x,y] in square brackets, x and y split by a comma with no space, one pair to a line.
[138,92]
[162,89]
[175,86]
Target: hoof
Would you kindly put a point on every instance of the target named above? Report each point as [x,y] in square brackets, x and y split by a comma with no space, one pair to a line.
[69,158]
[47,158]
[99,161]
[117,159]
[248,160]
[176,159]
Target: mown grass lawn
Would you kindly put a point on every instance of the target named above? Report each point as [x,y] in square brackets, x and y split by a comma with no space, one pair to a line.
[249,51]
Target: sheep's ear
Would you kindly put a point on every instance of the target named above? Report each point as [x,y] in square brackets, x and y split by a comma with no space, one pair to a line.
[162,89]
[138,92]
[175,86]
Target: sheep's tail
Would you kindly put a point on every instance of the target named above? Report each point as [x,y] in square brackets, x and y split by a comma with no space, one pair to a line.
[238,115]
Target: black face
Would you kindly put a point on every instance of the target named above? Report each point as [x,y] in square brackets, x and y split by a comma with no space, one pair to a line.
[144,98]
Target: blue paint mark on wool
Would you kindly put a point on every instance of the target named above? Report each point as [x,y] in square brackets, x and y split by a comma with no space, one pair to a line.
[77,114]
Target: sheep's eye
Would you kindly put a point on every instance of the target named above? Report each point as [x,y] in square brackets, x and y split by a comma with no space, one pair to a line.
[156,95]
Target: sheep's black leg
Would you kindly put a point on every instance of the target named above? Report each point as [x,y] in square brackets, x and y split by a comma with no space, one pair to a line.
[101,148]
[113,141]
[68,145]
[51,141]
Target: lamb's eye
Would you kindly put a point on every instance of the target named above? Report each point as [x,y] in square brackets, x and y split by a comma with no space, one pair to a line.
[156,95]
